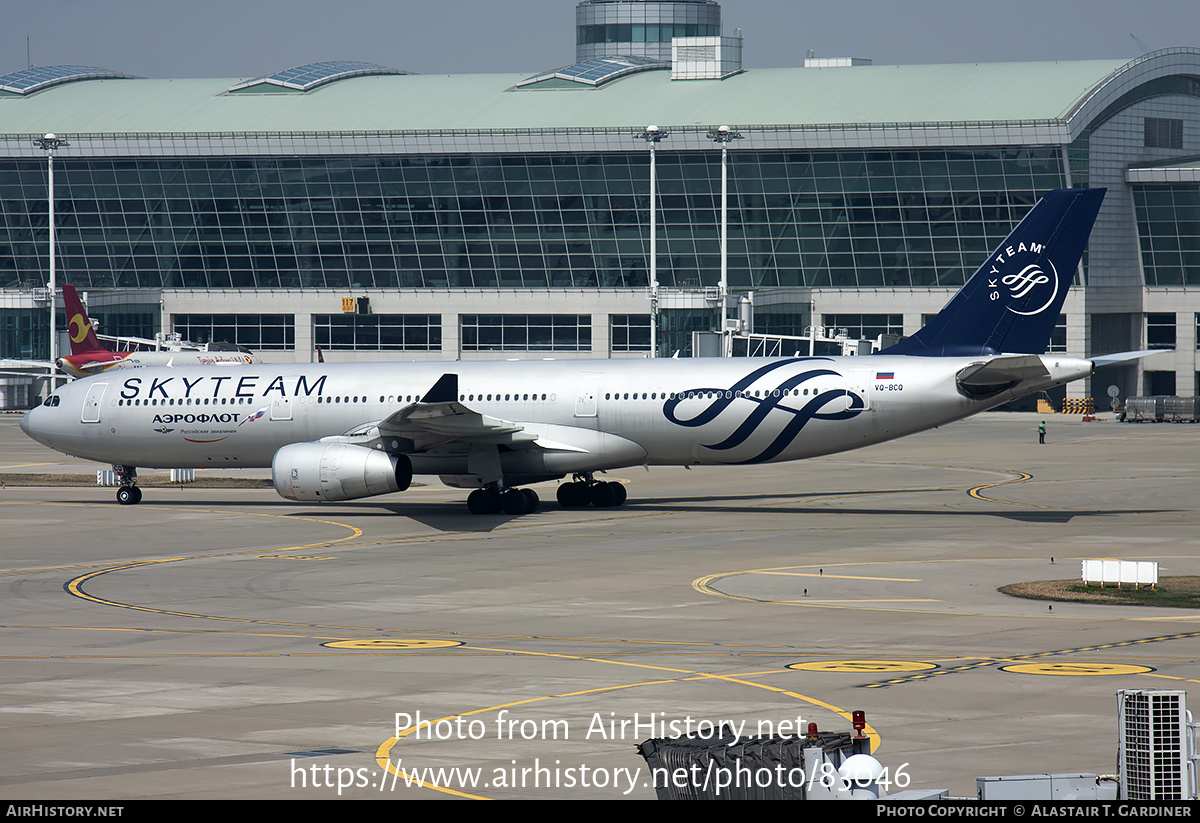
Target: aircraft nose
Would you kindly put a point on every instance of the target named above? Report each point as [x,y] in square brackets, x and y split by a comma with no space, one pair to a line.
[26,419]
[32,423]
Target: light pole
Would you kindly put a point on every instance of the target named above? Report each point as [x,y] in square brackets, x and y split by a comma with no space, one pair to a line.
[49,144]
[652,135]
[724,135]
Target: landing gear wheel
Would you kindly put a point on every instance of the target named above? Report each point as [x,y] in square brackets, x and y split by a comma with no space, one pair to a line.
[604,496]
[531,500]
[573,495]
[619,493]
[512,501]
[128,494]
[483,501]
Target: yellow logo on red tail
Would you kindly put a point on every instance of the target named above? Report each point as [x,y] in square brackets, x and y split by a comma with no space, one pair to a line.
[79,327]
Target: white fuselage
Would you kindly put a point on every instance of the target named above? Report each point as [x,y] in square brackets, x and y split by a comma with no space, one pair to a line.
[592,414]
[91,363]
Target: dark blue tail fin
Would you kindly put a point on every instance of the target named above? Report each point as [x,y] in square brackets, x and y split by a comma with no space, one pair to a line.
[1012,302]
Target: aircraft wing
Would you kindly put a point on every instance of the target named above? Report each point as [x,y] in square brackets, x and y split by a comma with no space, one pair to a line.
[126,344]
[24,374]
[140,341]
[26,364]
[17,365]
[439,418]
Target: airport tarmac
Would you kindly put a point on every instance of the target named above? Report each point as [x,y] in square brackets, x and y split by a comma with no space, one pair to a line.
[231,644]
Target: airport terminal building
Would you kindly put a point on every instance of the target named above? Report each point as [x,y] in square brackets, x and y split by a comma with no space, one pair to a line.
[507,215]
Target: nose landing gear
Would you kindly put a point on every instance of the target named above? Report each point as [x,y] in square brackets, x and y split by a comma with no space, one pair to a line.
[128,494]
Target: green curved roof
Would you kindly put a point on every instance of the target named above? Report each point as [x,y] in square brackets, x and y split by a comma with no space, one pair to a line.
[947,93]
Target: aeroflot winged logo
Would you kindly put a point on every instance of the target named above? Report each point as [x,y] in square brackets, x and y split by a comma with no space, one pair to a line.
[778,404]
[1031,279]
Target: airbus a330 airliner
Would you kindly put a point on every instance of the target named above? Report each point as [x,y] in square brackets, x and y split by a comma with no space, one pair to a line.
[89,356]
[333,432]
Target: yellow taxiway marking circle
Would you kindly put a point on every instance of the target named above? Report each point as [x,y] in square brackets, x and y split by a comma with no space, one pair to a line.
[1076,669]
[862,666]
[390,643]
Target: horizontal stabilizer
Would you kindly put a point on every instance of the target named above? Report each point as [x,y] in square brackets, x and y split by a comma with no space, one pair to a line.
[994,376]
[1126,356]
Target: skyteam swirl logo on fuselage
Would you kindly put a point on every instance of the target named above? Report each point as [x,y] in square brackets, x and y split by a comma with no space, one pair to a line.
[772,405]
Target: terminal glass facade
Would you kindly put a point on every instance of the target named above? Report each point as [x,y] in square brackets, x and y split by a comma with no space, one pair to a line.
[526,332]
[260,332]
[378,332]
[1168,219]
[642,32]
[864,326]
[24,333]
[643,28]
[849,219]
[629,332]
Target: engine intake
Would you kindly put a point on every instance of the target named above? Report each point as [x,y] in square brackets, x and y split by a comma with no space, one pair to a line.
[337,471]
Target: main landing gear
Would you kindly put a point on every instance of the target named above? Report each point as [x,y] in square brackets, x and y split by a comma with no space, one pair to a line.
[128,494]
[491,500]
[587,490]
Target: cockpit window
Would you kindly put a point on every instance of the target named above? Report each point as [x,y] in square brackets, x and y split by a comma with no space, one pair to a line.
[52,400]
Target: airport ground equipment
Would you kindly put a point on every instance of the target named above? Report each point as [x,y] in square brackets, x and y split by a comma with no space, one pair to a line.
[1157,754]
[1162,409]
[723,766]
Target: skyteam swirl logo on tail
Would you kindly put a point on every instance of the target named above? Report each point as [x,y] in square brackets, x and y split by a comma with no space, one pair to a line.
[1030,280]
[771,408]
[1021,284]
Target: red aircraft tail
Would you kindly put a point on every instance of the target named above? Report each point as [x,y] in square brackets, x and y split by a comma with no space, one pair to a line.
[83,336]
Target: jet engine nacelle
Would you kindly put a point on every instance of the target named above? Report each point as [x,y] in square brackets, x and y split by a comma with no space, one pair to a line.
[337,471]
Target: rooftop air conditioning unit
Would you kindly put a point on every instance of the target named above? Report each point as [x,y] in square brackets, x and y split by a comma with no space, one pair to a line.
[1156,756]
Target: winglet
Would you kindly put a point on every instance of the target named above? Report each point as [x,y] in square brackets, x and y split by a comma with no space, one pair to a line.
[445,390]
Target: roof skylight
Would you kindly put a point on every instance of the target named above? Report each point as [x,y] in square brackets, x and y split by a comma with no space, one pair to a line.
[313,75]
[36,78]
[599,71]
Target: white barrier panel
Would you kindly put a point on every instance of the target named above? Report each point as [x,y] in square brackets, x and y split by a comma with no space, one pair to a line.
[183,475]
[107,477]
[1135,573]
